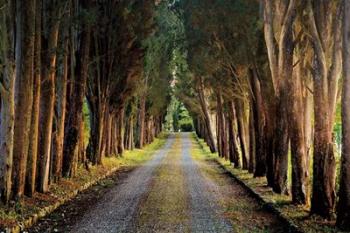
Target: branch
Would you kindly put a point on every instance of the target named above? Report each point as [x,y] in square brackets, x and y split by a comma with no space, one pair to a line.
[336,66]
[269,39]
[316,40]
[3,91]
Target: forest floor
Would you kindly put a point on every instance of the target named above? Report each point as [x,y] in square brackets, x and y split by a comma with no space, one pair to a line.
[178,190]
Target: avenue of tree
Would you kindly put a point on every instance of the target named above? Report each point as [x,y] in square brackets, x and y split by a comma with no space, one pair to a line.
[77,67]
[263,80]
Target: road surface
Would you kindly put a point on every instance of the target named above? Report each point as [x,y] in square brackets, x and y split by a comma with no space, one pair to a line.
[173,192]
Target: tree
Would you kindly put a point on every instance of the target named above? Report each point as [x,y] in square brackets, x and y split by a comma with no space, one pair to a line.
[326,74]
[75,116]
[47,101]
[281,65]
[7,109]
[343,218]
[25,37]
[34,131]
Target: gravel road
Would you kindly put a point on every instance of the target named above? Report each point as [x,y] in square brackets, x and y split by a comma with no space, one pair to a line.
[116,210]
[174,192]
[204,196]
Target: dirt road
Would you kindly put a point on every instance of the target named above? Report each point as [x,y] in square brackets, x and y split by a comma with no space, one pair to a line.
[171,193]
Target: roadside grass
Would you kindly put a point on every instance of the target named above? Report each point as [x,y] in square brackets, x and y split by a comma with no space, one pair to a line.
[38,205]
[298,215]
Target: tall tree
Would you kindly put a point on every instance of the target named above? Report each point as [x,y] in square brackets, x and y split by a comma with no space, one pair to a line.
[25,38]
[34,131]
[7,88]
[278,24]
[325,30]
[75,116]
[47,101]
[343,218]
[61,84]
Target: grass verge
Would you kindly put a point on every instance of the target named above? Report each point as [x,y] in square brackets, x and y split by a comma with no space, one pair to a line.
[24,213]
[297,216]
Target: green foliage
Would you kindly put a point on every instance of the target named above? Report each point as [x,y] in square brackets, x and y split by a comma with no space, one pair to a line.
[221,42]
[182,120]
[157,70]
[338,128]
[178,118]
[86,118]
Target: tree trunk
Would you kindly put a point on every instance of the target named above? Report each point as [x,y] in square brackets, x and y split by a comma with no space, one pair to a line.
[323,197]
[61,99]
[82,149]
[34,131]
[97,109]
[127,135]
[242,134]
[47,101]
[25,38]
[206,118]
[6,133]
[326,77]
[343,217]
[76,105]
[108,133]
[142,115]
[297,134]
[120,140]
[233,148]
[252,144]
[309,129]
[220,127]
[7,110]
[281,146]
[285,73]
[279,18]
[259,124]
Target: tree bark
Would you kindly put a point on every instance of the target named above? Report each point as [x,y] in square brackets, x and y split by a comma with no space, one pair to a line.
[343,217]
[108,132]
[34,131]
[279,18]
[142,116]
[259,124]
[76,105]
[233,148]
[326,74]
[61,98]
[281,146]
[25,37]
[47,101]
[221,139]
[252,144]
[206,117]
[242,134]
[297,133]
[120,140]
[7,110]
